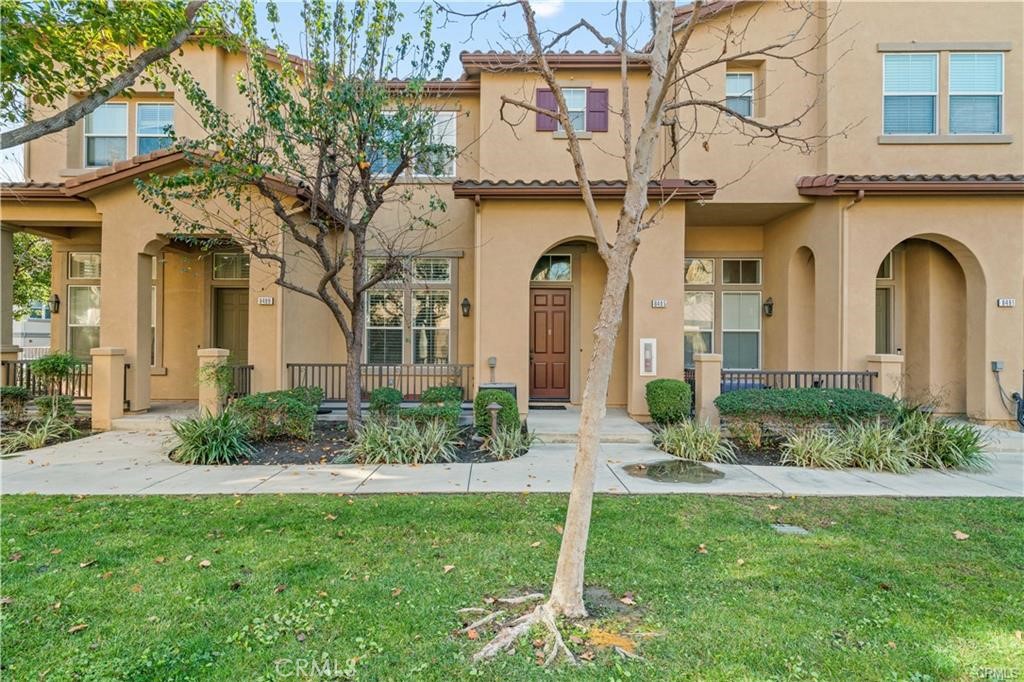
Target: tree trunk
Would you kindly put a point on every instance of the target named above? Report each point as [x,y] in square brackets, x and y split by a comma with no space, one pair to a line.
[353,384]
[567,590]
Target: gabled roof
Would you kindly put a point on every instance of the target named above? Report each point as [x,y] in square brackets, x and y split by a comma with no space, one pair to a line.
[832,184]
[677,190]
[122,170]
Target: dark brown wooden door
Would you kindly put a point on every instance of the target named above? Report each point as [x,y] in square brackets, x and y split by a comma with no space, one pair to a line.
[231,323]
[549,344]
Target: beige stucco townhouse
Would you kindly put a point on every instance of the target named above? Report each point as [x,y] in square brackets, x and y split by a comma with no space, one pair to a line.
[898,244]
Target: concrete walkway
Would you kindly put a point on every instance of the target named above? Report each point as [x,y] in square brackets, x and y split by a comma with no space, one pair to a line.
[136,463]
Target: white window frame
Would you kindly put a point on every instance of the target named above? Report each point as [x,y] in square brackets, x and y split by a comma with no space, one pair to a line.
[760,328]
[139,135]
[69,325]
[568,111]
[413,328]
[1001,94]
[553,281]
[453,121]
[934,95]
[749,95]
[84,253]
[714,316]
[86,136]
[760,272]
[403,296]
[213,266]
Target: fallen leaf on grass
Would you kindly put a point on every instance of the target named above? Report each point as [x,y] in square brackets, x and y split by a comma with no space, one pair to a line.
[960,535]
[136,588]
[87,564]
[107,575]
[205,563]
[397,591]
[6,601]
[604,638]
[472,634]
[773,507]
[587,655]
[56,550]
[1019,634]
[535,544]
[159,560]
[330,517]
[627,599]
[449,568]
[488,600]
[702,548]
[77,628]
[558,529]
[15,557]
[188,558]
[281,587]
[740,562]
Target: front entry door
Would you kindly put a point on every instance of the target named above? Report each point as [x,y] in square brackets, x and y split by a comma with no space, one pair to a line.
[231,323]
[549,344]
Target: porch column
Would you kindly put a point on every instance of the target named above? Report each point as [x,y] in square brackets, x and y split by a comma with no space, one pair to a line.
[210,399]
[708,380]
[126,313]
[890,374]
[8,351]
[107,386]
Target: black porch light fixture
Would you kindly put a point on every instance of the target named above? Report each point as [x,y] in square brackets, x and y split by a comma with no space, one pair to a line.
[465,307]
[769,307]
[54,303]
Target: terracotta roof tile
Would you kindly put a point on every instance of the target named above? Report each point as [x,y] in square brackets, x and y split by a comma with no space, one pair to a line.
[919,183]
[679,188]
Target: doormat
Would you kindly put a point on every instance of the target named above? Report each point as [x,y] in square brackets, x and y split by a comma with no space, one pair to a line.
[547,407]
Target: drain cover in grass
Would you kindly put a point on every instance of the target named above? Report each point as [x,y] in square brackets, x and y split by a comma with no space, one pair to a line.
[786,529]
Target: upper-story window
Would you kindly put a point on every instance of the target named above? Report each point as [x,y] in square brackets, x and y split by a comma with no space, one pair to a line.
[153,122]
[910,93]
[106,134]
[385,156]
[739,93]
[587,108]
[975,93]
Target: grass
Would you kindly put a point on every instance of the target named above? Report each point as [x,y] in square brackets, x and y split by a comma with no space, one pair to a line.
[880,590]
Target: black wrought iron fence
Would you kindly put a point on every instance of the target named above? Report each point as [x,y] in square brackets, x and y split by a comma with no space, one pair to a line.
[411,380]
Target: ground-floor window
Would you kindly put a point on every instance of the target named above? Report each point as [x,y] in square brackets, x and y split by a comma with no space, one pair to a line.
[83,319]
[722,310]
[411,311]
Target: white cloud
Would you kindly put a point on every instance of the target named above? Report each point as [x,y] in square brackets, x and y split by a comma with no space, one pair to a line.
[545,9]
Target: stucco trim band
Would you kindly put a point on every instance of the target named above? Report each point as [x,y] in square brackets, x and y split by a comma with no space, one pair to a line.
[945,47]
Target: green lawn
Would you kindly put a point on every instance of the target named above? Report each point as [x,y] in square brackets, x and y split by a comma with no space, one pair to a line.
[880,590]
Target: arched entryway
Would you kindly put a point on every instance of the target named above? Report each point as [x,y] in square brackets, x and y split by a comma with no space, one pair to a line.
[565,289]
[926,288]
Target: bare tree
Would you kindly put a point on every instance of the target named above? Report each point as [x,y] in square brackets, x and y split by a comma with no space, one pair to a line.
[313,179]
[675,78]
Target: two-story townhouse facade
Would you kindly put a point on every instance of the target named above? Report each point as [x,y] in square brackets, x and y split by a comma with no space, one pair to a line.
[898,233]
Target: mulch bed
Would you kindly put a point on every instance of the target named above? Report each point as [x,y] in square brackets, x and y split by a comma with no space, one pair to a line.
[329,443]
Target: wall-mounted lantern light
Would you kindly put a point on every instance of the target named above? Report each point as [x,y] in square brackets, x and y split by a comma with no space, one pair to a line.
[54,303]
[769,307]
[465,307]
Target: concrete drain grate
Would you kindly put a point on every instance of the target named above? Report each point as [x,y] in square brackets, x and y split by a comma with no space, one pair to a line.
[786,529]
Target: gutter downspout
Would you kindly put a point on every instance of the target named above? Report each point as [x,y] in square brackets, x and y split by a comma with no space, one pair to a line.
[478,361]
[844,277]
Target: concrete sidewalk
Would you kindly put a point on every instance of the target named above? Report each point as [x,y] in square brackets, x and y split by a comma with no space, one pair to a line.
[136,463]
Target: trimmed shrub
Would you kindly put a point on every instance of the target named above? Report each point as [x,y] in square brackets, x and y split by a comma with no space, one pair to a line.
[509,443]
[212,440]
[695,441]
[448,413]
[804,405]
[277,413]
[815,448]
[385,400]
[668,400]
[508,416]
[442,394]
[382,441]
[57,406]
[313,395]
[13,400]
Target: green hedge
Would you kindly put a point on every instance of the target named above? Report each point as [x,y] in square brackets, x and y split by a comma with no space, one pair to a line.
[385,400]
[65,406]
[508,416]
[442,394]
[13,400]
[805,404]
[279,413]
[668,400]
[448,413]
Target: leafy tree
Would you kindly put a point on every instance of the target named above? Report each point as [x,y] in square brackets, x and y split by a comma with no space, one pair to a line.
[51,49]
[316,173]
[30,270]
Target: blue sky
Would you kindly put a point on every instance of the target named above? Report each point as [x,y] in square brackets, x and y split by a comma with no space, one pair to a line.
[496,31]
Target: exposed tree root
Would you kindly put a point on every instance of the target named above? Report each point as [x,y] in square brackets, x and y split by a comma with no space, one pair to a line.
[483,621]
[512,601]
[511,632]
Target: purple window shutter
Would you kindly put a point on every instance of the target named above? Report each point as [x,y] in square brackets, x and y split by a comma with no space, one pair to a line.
[597,110]
[546,100]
